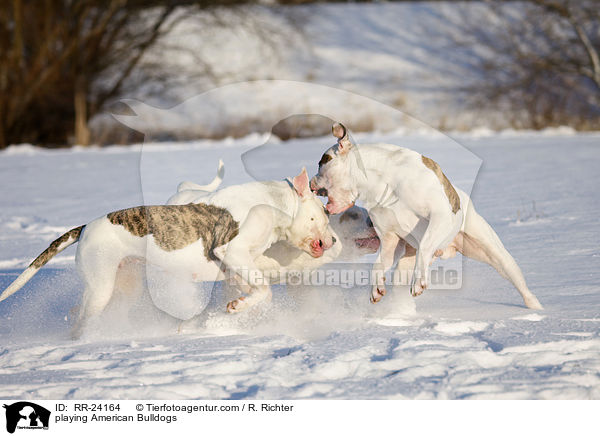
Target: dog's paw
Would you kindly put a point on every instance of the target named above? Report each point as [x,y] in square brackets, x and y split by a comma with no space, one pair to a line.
[418,287]
[377,294]
[415,291]
[532,303]
[236,306]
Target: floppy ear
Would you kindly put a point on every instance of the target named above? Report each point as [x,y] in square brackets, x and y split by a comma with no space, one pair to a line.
[301,183]
[341,133]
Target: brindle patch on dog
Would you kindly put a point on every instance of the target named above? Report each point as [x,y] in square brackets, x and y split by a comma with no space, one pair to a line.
[55,247]
[177,226]
[448,188]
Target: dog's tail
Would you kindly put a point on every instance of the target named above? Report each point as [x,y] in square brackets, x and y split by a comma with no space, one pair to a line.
[69,238]
[212,186]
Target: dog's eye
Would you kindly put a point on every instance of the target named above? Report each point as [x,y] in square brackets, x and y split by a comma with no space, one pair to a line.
[312,219]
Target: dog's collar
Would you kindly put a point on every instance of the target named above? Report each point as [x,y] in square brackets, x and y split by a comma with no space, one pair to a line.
[296,197]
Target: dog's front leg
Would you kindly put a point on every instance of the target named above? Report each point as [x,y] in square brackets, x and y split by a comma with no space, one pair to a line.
[247,277]
[436,235]
[257,295]
[385,260]
[241,286]
[272,270]
[255,236]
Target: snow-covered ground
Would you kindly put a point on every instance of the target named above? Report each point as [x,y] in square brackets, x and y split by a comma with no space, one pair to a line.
[538,191]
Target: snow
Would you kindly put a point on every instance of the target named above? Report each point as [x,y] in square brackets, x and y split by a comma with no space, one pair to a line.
[408,55]
[475,342]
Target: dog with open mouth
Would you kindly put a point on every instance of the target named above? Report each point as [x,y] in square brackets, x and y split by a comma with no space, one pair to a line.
[412,204]
[229,232]
[353,230]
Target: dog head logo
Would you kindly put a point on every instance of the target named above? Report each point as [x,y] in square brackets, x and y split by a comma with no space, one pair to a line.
[26,415]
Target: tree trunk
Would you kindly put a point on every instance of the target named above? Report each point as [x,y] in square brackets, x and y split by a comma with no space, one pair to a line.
[18,33]
[3,143]
[82,131]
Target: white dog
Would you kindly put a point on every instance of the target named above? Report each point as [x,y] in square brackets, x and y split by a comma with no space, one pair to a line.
[230,231]
[410,201]
[353,231]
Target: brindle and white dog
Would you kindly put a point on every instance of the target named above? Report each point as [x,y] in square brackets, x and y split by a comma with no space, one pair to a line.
[353,231]
[411,203]
[230,231]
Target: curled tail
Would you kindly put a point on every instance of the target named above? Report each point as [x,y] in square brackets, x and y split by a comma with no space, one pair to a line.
[211,187]
[69,238]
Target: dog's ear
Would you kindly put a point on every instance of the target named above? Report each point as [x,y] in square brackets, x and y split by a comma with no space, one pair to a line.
[301,183]
[341,133]
[338,130]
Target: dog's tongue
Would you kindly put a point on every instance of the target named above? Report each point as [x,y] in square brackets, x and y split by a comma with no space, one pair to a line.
[371,243]
[317,249]
[333,208]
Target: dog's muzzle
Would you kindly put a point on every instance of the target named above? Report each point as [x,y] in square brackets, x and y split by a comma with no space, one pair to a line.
[321,192]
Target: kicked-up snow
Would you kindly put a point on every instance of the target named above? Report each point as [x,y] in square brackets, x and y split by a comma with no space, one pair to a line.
[538,191]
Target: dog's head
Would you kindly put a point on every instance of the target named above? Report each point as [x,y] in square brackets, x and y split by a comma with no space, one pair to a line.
[356,232]
[310,229]
[334,178]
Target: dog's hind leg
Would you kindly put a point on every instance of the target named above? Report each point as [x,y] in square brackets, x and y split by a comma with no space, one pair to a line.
[405,265]
[385,260]
[479,241]
[130,279]
[98,274]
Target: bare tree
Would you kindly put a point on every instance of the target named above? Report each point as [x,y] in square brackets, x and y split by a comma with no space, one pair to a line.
[62,60]
[536,60]
[189,60]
